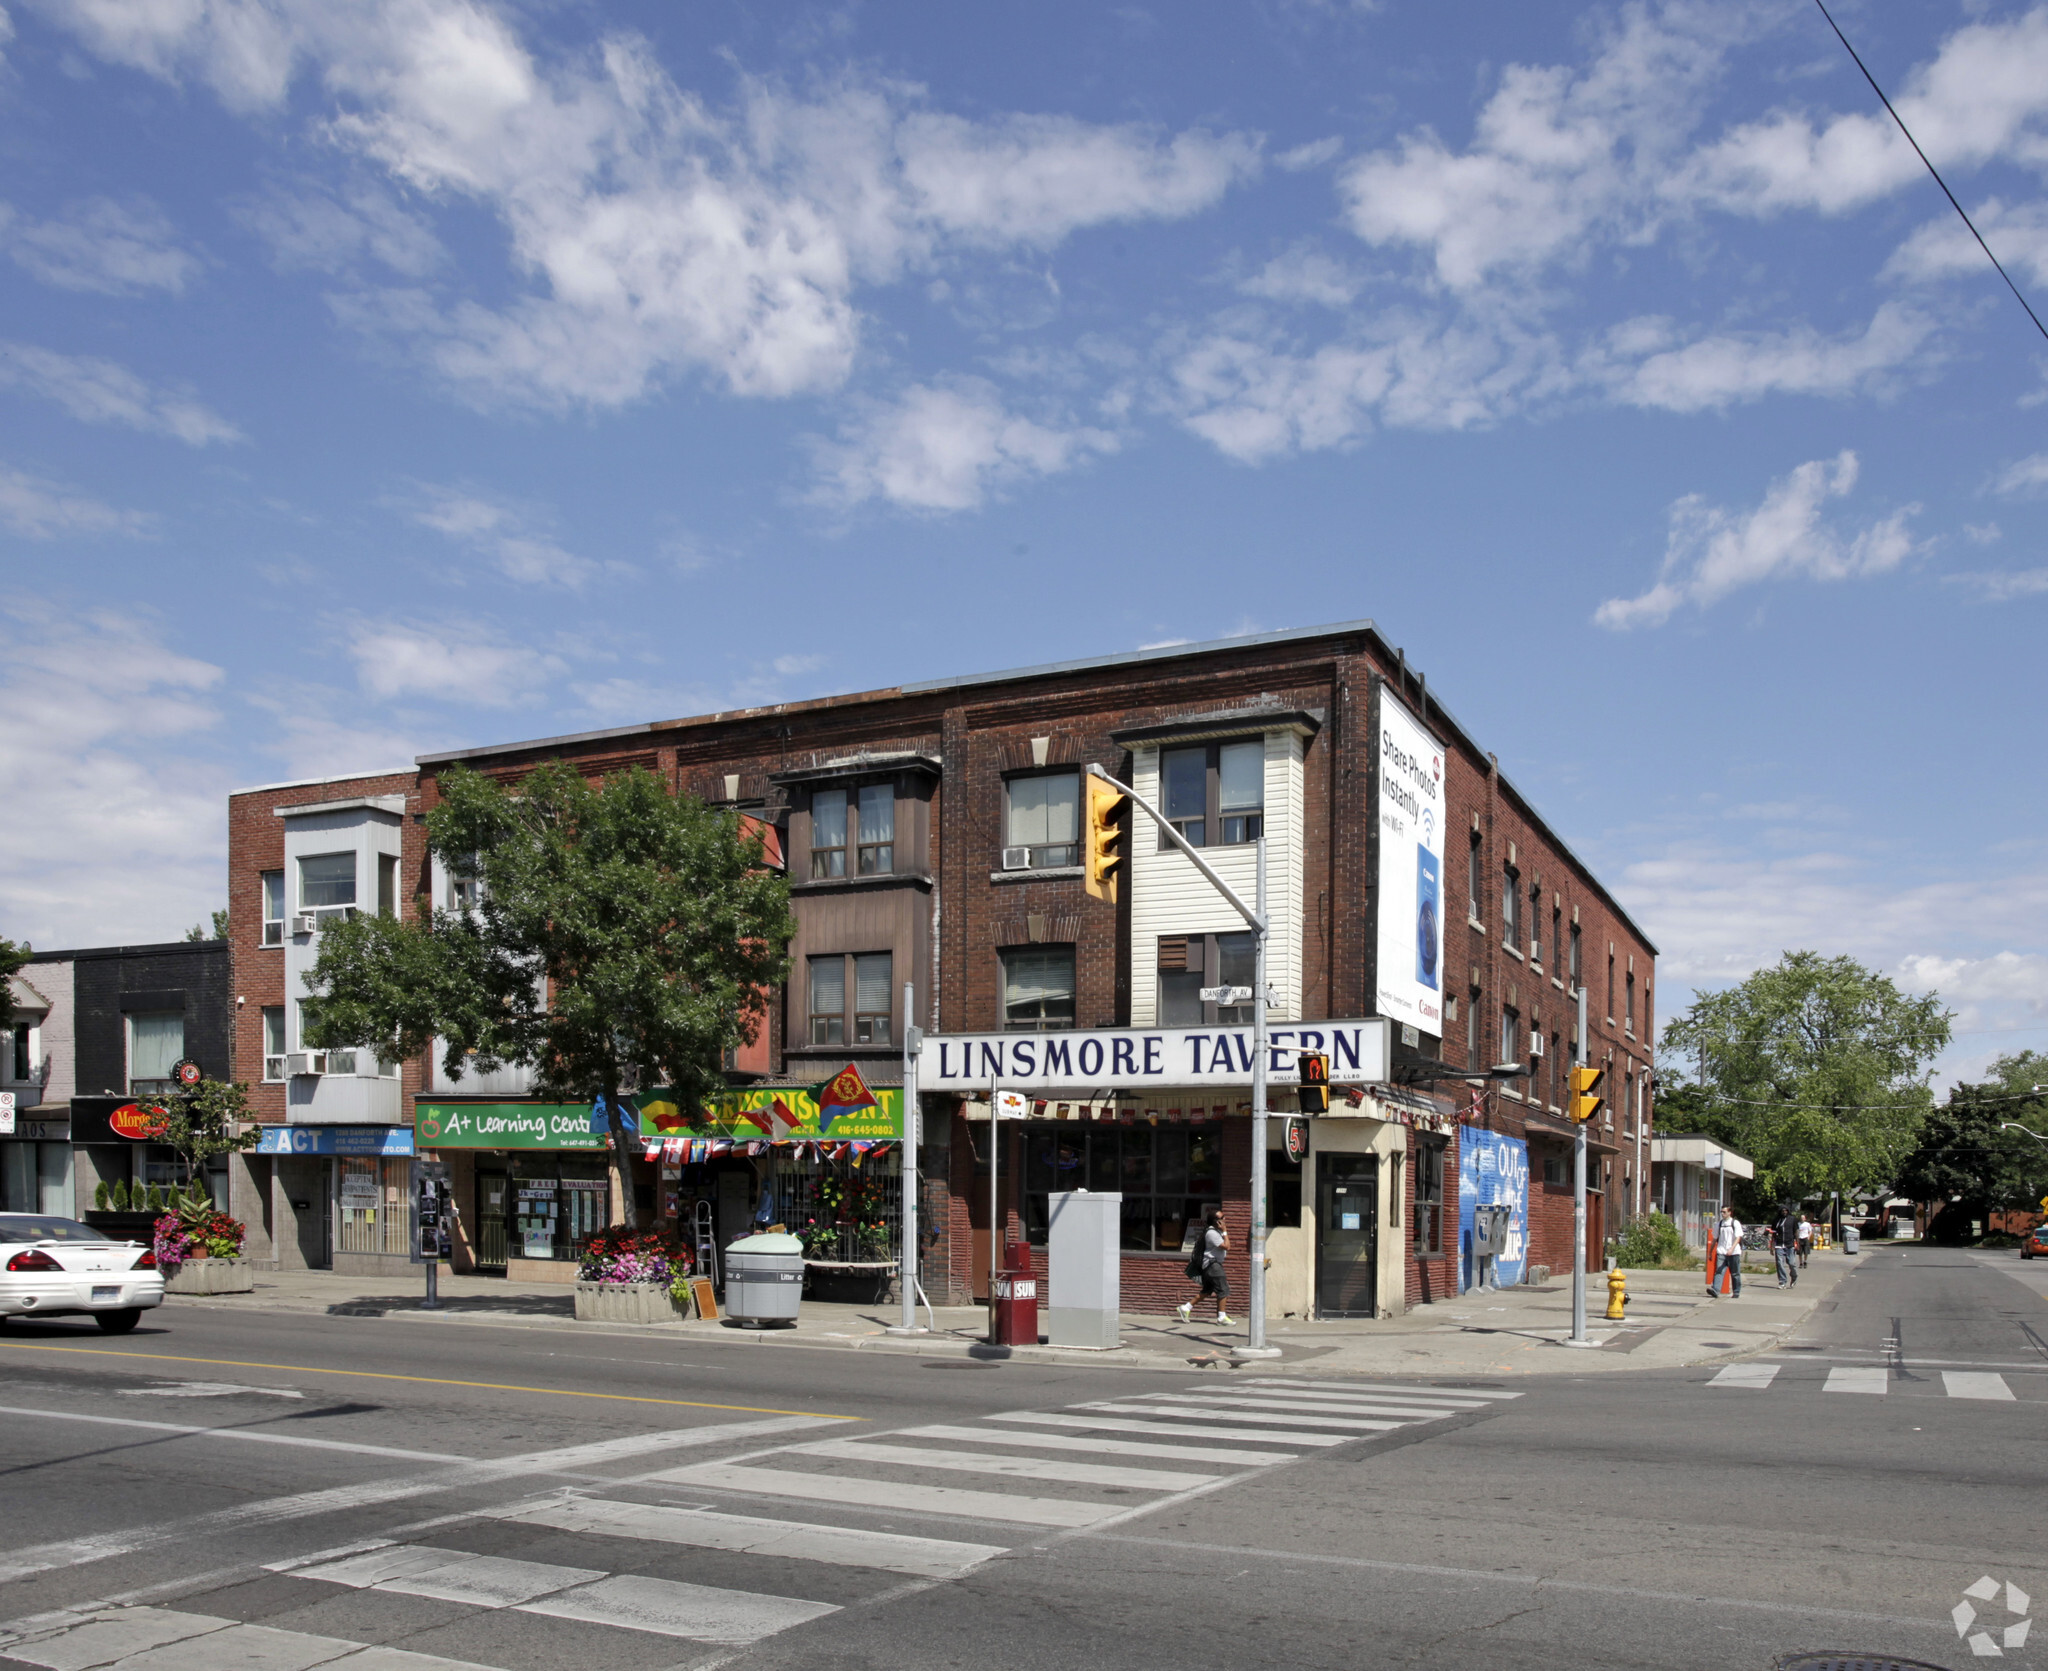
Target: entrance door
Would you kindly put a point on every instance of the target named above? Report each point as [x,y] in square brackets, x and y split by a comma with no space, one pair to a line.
[490,1223]
[1347,1240]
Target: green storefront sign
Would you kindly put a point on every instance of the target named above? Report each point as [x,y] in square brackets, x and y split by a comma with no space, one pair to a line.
[744,1116]
[505,1125]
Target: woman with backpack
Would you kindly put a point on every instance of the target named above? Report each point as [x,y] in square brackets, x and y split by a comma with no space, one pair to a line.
[1206,1265]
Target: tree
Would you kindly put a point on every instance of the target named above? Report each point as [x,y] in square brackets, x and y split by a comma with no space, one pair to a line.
[12,957]
[1816,1068]
[1967,1161]
[622,937]
[219,931]
[201,1123]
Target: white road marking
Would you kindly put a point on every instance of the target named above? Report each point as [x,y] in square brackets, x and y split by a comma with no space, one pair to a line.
[107,1636]
[1183,1430]
[1857,1380]
[305,1441]
[1285,1408]
[890,1494]
[1223,1411]
[1009,1467]
[696,1612]
[207,1389]
[1107,1447]
[200,1528]
[1462,1395]
[452,1575]
[399,1659]
[1753,1375]
[242,1648]
[1962,1384]
[752,1535]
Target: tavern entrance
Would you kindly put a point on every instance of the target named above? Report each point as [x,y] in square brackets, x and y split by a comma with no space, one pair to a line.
[1347,1234]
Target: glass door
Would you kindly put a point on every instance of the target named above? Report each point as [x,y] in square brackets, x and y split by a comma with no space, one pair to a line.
[1347,1240]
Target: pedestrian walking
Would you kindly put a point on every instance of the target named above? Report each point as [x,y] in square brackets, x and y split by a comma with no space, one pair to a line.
[1206,1266]
[1785,1246]
[1805,1239]
[1727,1252]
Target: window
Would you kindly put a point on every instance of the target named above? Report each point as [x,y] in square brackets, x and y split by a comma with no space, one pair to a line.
[1628,1104]
[1510,903]
[273,907]
[273,1042]
[464,892]
[1556,1051]
[1190,962]
[1474,1025]
[877,829]
[155,1042]
[1557,1170]
[1556,938]
[1473,871]
[22,1057]
[1170,1176]
[1510,1035]
[1629,1015]
[1038,990]
[828,833]
[387,885]
[338,1061]
[1577,978]
[1610,989]
[871,1006]
[1536,923]
[1429,1196]
[828,996]
[1215,795]
[327,884]
[1042,825]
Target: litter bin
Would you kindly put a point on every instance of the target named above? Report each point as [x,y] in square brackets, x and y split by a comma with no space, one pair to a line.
[1852,1239]
[764,1279]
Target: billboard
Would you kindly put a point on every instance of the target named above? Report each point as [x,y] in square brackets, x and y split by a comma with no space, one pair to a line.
[1408,889]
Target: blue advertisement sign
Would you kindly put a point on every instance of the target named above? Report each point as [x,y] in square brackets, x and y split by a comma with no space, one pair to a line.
[1493,1170]
[335,1140]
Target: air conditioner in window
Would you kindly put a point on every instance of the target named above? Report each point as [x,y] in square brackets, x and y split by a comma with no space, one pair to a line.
[1535,1044]
[1016,858]
[307,922]
[302,1064]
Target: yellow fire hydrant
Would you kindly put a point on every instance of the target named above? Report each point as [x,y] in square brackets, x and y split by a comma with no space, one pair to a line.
[1617,1292]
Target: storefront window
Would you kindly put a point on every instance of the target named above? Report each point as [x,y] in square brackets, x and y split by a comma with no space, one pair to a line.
[846,1213]
[1169,1176]
[374,1205]
[559,1201]
[1429,1196]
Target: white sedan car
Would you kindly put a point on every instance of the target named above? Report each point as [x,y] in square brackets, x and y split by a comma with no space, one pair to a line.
[57,1267]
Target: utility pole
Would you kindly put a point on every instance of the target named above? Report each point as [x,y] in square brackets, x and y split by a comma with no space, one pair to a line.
[1579,1194]
[906,1260]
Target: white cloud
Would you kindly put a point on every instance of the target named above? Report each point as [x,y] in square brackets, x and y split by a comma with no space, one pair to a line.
[1305,274]
[505,535]
[2003,585]
[309,227]
[460,662]
[1301,158]
[1712,552]
[119,824]
[1943,248]
[2029,475]
[314,745]
[946,447]
[1984,95]
[42,510]
[100,392]
[117,249]
[1722,370]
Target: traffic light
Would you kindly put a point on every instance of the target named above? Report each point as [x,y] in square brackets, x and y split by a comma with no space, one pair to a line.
[1589,1093]
[1101,856]
[1315,1083]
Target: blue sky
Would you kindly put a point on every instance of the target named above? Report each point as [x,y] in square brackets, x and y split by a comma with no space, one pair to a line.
[383,375]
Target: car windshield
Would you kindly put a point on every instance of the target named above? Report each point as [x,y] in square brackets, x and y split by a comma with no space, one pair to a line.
[22,1227]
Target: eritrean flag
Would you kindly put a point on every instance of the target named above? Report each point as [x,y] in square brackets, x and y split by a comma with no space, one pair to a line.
[844,1093]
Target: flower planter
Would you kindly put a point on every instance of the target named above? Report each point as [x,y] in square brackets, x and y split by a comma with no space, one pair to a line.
[624,1302]
[212,1276]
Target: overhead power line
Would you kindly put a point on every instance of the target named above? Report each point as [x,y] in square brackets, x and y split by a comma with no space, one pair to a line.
[1931,169]
[1853,1107]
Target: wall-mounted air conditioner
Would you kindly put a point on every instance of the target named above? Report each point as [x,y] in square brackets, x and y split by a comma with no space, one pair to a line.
[1016,858]
[304,1064]
[1535,1044]
[307,922]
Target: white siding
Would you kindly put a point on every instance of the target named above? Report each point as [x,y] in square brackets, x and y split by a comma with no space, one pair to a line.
[1169,896]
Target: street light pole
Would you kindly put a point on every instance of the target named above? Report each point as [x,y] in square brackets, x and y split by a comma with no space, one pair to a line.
[906,1262]
[1579,1196]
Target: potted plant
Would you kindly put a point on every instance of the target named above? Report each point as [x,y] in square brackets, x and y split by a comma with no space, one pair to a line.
[199,1248]
[628,1276]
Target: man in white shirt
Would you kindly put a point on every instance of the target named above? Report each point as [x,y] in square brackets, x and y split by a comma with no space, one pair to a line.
[1727,1251]
[1805,1239]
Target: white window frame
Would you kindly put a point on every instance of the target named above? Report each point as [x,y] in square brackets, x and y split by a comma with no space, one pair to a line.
[273,1064]
[1048,855]
[273,926]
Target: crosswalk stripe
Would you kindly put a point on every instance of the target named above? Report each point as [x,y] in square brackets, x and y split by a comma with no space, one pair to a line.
[1288,1406]
[1222,1407]
[696,1612]
[451,1575]
[1857,1380]
[1222,1414]
[889,1494]
[1975,1384]
[1010,1467]
[1183,1430]
[101,1638]
[753,1535]
[1106,1447]
[376,1658]
[1461,1395]
[1755,1375]
[244,1648]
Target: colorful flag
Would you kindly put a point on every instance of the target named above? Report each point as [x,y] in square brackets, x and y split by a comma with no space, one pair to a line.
[629,1116]
[844,1093]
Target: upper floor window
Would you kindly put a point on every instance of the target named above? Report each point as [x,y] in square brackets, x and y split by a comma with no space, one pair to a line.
[464,892]
[156,1039]
[1191,962]
[1038,989]
[1475,1027]
[828,832]
[22,1057]
[1042,821]
[1577,977]
[867,1022]
[1610,989]
[1215,793]
[327,883]
[1510,1034]
[877,829]
[1474,889]
[387,885]
[273,907]
[273,1042]
[1629,996]
[865,819]
[1535,927]
[1510,903]
[1429,1195]
[1556,938]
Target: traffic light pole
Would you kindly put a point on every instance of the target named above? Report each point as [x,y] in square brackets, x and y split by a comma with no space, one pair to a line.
[1255,919]
[906,1263]
[1579,1197]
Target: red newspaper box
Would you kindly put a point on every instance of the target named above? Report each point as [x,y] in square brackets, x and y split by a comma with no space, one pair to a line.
[1016,1307]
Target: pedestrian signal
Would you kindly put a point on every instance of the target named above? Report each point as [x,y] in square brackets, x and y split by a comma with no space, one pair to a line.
[1101,855]
[1589,1093]
[1314,1090]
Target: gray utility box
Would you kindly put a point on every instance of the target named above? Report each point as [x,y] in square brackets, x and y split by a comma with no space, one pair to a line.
[1852,1239]
[764,1279]
[1084,1270]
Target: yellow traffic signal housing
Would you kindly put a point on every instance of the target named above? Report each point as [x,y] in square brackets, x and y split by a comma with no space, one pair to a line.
[1589,1093]
[1314,1090]
[1101,854]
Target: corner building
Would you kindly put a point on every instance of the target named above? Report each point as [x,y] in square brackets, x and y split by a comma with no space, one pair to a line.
[932,836]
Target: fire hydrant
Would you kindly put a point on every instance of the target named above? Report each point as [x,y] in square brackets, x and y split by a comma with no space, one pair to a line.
[1617,1292]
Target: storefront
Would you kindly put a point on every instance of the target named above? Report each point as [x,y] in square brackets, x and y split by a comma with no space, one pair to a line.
[336,1197]
[35,1165]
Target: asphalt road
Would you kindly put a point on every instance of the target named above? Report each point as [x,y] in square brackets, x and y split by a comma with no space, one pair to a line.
[225,1491]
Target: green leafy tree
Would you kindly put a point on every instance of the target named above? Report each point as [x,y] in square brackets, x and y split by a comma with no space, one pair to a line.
[1966,1158]
[622,937]
[219,931]
[12,957]
[1816,1068]
[201,1123]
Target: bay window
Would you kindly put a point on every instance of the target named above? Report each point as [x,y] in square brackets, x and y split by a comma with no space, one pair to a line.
[1214,794]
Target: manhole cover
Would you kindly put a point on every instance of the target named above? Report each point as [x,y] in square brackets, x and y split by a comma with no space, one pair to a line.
[1836,1661]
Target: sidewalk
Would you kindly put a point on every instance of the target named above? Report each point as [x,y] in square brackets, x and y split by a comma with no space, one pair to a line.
[1517,1331]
